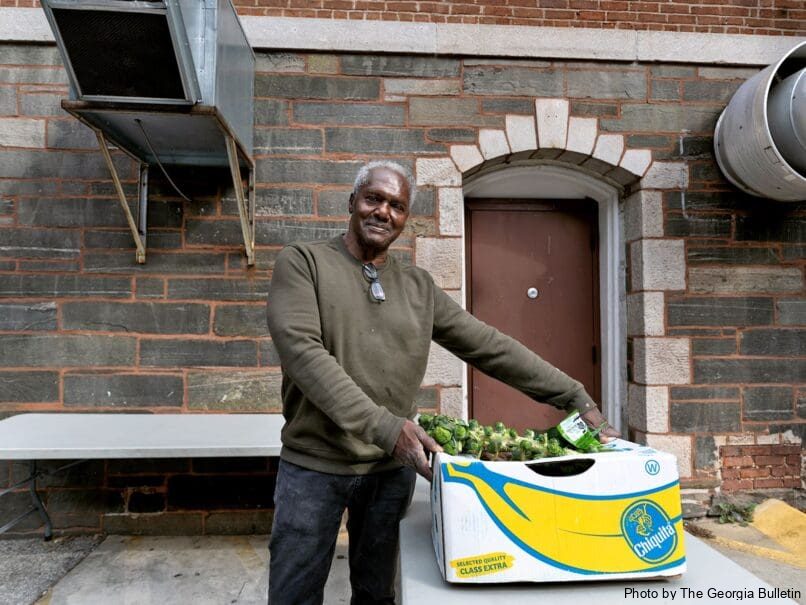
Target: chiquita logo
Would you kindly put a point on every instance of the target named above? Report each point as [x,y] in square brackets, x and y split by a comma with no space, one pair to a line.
[648,531]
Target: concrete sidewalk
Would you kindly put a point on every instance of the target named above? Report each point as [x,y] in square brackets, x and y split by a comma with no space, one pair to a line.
[219,570]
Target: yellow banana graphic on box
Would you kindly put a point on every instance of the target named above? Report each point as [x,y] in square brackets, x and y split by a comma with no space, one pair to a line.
[582,533]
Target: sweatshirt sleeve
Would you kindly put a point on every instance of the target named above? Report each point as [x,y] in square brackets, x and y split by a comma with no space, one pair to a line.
[503,357]
[295,327]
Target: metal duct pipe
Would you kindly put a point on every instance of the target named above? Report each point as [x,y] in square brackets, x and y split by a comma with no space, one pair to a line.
[760,138]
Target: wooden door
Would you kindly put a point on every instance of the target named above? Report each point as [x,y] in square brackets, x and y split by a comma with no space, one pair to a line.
[551,247]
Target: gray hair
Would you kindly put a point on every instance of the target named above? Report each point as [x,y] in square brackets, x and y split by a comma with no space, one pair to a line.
[362,178]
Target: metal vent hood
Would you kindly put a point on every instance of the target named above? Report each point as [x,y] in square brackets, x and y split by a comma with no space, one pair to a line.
[760,138]
[170,82]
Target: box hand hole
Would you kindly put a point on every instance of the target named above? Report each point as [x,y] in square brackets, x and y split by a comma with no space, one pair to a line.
[562,468]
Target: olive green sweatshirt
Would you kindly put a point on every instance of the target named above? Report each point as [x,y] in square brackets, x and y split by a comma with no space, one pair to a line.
[353,366]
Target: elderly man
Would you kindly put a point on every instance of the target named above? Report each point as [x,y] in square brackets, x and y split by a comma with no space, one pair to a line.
[353,327]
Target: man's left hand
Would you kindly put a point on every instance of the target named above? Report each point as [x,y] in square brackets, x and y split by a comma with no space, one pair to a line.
[594,419]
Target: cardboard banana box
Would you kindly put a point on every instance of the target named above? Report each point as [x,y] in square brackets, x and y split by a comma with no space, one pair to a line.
[601,516]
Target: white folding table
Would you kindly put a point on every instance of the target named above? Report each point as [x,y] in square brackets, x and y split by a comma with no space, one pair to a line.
[79,437]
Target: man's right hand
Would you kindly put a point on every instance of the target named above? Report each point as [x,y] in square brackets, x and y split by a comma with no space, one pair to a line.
[411,446]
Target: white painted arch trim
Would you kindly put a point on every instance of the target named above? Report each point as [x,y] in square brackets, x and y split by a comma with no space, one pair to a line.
[336,35]
[562,156]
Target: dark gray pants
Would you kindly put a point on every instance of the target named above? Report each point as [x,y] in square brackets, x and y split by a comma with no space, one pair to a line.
[308,507]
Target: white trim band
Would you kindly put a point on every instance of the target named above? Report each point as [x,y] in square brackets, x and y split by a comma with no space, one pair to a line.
[336,35]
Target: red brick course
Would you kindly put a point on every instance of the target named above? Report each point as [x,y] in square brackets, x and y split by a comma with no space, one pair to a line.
[747,467]
[778,17]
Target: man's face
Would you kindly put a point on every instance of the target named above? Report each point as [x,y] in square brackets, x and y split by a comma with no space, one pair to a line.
[379,209]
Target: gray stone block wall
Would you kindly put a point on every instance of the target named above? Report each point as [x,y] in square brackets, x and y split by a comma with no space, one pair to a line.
[85,328]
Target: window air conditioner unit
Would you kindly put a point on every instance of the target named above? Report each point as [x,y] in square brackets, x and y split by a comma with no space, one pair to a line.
[170,82]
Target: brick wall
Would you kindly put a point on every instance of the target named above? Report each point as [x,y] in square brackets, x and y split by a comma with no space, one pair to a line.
[764,17]
[767,17]
[84,328]
[748,467]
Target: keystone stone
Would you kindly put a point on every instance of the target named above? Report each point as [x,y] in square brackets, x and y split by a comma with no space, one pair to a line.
[318,87]
[241,320]
[189,353]
[29,387]
[66,350]
[768,403]
[602,84]
[28,317]
[379,140]
[358,114]
[239,391]
[123,390]
[146,317]
[552,123]
[513,81]
[717,311]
